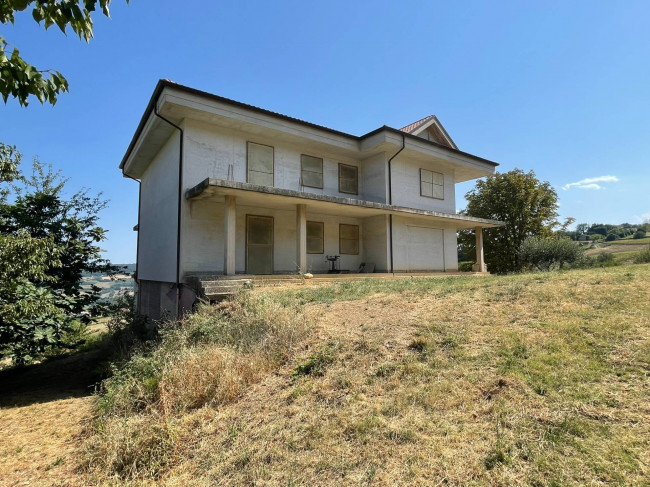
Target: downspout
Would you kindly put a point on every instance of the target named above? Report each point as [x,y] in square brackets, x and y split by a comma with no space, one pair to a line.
[137,245]
[390,202]
[178,221]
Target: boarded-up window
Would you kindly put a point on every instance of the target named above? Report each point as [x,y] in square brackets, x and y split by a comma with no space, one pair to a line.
[348,179]
[260,164]
[311,171]
[348,239]
[315,238]
[432,184]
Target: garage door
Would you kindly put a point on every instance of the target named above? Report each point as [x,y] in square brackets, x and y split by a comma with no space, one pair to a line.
[425,249]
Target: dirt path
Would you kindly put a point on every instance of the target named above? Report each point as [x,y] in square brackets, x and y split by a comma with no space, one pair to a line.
[42,408]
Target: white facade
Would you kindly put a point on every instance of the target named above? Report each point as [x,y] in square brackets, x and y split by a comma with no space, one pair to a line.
[397,173]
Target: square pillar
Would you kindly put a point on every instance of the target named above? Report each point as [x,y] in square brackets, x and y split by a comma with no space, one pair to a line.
[301,238]
[229,236]
[480,260]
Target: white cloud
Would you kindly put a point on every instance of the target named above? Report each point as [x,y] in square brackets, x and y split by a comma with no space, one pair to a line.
[590,183]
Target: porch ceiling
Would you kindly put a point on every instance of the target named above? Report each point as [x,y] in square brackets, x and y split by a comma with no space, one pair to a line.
[254,195]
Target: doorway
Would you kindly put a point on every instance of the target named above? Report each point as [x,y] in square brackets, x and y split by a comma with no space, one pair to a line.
[259,244]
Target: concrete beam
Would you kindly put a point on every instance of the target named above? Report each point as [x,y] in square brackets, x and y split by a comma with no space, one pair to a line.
[301,238]
[229,236]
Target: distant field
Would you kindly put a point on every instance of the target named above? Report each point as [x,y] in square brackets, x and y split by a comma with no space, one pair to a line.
[630,241]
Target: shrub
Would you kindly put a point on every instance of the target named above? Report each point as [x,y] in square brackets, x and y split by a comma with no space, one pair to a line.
[545,254]
[465,266]
[639,234]
[610,237]
[643,257]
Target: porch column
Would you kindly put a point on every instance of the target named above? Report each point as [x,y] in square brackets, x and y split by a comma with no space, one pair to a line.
[480,261]
[301,238]
[229,236]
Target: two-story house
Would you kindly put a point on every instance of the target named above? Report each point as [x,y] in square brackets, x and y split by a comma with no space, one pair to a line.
[228,188]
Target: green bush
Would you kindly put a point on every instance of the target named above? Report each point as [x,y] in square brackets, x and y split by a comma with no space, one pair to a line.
[546,254]
[639,234]
[610,237]
[643,257]
[465,266]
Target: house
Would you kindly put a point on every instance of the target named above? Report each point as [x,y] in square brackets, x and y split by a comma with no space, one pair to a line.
[228,188]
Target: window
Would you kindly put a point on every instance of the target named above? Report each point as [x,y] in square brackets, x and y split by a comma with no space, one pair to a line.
[348,179]
[348,239]
[311,171]
[315,238]
[431,184]
[260,164]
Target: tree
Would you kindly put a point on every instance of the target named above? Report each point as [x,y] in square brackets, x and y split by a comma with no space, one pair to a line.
[18,78]
[47,242]
[527,206]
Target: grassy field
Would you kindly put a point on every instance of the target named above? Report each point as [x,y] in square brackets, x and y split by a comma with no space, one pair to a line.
[631,241]
[537,379]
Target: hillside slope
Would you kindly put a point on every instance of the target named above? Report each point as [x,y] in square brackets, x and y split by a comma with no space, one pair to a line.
[519,380]
[539,379]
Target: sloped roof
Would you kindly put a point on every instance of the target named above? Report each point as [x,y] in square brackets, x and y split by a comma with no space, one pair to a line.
[433,125]
[446,144]
[409,129]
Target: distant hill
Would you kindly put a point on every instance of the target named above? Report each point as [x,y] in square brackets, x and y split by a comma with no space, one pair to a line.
[111,286]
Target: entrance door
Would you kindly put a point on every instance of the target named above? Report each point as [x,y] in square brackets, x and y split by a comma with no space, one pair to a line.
[259,244]
[425,249]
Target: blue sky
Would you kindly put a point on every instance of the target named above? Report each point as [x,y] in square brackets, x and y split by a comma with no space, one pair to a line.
[562,88]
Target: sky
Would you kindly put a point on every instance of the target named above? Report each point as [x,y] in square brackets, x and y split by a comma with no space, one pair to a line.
[560,88]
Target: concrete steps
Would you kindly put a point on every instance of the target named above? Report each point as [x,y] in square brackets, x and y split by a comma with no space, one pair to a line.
[215,287]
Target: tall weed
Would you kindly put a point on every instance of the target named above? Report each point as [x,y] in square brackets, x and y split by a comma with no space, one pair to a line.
[207,359]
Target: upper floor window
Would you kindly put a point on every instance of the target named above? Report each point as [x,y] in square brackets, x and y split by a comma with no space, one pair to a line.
[311,171]
[260,164]
[348,179]
[432,184]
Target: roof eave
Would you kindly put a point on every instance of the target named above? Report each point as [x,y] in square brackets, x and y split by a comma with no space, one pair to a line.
[164,83]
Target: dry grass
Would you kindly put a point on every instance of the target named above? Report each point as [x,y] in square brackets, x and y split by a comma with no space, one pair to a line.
[521,380]
[41,408]
[539,379]
[207,361]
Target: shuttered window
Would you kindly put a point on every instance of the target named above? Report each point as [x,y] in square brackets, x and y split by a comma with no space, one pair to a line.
[348,239]
[432,184]
[315,238]
[348,179]
[260,164]
[311,171]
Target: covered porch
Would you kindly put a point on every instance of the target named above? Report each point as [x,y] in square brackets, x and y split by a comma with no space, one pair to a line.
[234,228]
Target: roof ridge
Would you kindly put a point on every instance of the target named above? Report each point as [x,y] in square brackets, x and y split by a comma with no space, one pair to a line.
[413,126]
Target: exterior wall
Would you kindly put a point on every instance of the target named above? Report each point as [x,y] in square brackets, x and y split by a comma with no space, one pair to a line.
[158,215]
[400,243]
[406,186]
[375,242]
[316,263]
[375,180]
[203,239]
[210,150]
[203,236]
[156,300]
